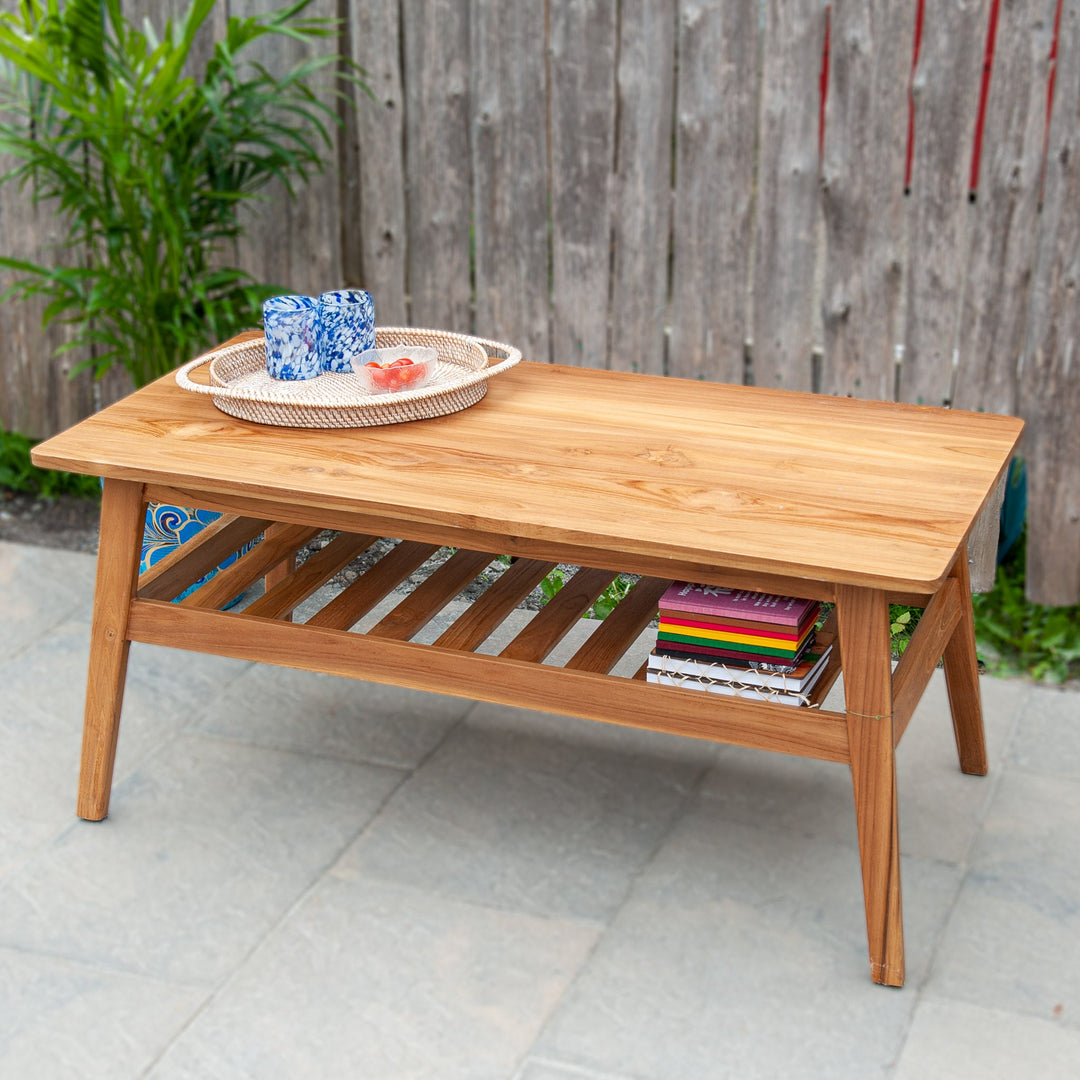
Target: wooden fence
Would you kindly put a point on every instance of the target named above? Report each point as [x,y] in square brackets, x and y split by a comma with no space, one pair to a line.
[866,197]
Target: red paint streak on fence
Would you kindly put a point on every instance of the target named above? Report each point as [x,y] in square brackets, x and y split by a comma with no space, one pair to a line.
[984,93]
[1050,76]
[919,10]
[824,85]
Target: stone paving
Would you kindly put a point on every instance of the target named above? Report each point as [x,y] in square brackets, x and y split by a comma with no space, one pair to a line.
[303,876]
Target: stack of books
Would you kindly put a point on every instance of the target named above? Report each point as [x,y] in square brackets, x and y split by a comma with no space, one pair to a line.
[729,641]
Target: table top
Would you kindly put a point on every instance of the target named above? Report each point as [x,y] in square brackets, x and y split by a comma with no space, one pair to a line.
[747,478]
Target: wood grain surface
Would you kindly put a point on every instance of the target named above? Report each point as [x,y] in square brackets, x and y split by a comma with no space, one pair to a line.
[582,89]
[866,116]
[374,30]
[1050,380]
[641,225]
[437,162]
[946,95]
[715,125]
[768,481]
[785,229]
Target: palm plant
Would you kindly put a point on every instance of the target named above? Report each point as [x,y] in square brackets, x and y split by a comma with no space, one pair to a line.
[151,166]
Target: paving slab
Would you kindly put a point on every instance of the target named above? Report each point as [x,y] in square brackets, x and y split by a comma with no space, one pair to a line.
[39,587]
[1047,738]
[381,981]
[950,1040]
[524,820]
[41,725]
[741,952]
[331,716]
[940,807]
[205,848]
[1013,940]
[60,1020]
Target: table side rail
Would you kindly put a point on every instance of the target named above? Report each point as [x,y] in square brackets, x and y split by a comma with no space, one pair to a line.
[807,732]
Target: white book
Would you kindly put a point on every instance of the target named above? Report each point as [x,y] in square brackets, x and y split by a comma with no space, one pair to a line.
[677,668]
[731,690]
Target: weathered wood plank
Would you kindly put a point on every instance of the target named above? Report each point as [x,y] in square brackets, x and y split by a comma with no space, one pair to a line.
[946,92]
[37,397]
[641,225]
[437,161]
[866,114]
[787,200]
[374,36]
[715,133]
[992,321]
[509,151]
[582,89]
[1050,378]
[294,244]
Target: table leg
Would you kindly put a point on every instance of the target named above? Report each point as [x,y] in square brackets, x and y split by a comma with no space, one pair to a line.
[962,679]
[123,514]
[863,623]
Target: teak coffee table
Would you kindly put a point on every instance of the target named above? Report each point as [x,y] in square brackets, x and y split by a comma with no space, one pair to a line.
[853,502]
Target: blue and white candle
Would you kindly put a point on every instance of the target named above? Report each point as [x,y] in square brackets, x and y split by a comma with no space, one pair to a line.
[346,328]
[291,325]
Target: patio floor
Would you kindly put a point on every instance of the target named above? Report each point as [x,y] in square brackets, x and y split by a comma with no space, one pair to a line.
[303,876]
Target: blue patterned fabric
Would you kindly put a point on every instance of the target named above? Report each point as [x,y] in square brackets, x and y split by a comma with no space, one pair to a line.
[167,527]
[346,328]
[291,325]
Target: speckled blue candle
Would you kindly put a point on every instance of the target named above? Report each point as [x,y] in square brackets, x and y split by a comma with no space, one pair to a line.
[346,327]
[291,324]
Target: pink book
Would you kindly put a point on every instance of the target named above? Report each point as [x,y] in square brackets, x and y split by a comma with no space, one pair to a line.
[736,603]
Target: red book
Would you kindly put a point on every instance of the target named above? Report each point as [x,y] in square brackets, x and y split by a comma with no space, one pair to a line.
[714,600]
[784,638]
[723,622]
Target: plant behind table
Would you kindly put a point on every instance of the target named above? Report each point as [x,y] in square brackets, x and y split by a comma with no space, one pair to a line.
[151,167]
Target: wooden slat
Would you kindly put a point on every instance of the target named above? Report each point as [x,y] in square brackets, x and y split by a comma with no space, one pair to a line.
[283,569]
[582,90]
[295,242]
[498,600]
[354,602]
[375,44]
[36,396]
[787,203]
[432,595]
[437,73]
[715,133]
[608,642]
[866,117]
[923,653]
[560,613]
[520,546]
[311,575]
[184,566]
[992,322]
[946,95]
[810,733]
[641,224]
[233,580]
[1050,381]
[509,158]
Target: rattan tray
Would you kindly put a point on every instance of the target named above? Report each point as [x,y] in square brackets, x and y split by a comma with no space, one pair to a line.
[241,387]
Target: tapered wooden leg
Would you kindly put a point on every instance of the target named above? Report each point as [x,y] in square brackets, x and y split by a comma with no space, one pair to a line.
[962,679]
[863,621]
[123,514]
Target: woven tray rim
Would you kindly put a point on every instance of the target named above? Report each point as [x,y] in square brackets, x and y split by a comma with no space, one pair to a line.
[364,400]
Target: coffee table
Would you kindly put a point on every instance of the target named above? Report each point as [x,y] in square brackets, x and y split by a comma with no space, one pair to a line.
[853,502]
